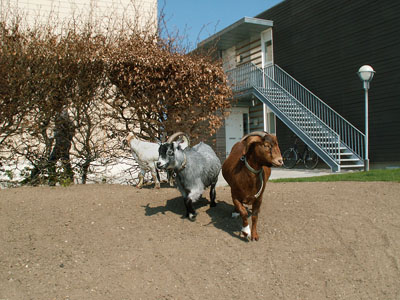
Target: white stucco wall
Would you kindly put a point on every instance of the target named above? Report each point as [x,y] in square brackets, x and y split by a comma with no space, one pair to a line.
[229,59]
[107,13]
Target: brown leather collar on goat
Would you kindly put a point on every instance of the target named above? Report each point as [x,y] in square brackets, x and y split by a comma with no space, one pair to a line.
[260,151]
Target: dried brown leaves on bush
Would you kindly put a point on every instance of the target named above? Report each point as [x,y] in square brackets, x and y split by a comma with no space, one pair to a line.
[159,90]
[109,84]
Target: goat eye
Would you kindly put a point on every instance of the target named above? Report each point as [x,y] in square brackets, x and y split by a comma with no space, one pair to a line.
[170,152]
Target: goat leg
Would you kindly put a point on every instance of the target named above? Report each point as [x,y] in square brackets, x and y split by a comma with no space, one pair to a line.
[191,198]
[156,181]
[244,215]
[141,179]
[213,194]
[254,219]
[190,212]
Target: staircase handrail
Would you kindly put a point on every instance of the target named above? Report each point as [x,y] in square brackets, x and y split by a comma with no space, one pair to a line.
[250,76]
[351,136]
[327,142]
[245,77]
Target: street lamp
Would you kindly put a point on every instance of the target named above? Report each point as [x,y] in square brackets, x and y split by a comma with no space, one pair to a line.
[366,73]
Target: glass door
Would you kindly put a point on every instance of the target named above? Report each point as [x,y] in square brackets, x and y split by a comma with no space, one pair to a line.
[267,48]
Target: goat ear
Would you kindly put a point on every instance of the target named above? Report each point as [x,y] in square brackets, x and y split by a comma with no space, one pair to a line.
[181,144]
[176,144]
[248,142]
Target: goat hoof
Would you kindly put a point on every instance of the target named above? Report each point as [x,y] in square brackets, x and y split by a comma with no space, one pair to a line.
[246,232]
[192,217]
[213,204]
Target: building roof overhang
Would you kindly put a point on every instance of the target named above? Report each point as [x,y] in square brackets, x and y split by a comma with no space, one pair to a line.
[235,33]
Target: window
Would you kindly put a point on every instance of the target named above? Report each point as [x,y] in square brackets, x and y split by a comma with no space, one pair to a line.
[268,52]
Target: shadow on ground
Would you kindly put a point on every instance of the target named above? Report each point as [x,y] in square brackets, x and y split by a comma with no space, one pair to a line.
[221,215]
[221,218]
[175,206]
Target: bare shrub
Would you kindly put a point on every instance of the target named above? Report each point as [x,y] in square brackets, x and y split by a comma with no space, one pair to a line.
[108,82]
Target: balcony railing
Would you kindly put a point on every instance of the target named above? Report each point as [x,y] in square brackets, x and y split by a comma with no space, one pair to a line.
[301,106]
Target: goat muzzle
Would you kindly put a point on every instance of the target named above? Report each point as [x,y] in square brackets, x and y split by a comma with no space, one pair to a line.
[277,162]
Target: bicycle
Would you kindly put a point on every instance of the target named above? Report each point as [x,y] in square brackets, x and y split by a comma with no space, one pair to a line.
[292,157]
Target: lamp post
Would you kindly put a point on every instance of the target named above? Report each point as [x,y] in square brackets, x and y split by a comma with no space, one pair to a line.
[366,73]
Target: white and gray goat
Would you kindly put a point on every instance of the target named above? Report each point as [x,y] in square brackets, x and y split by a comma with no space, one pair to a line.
[146,155]
[195,168]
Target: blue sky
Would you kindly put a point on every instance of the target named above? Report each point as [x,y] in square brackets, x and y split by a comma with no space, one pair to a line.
[198,19]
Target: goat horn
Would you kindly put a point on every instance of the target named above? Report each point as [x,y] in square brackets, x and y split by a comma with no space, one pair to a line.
[175,135]
[255,133]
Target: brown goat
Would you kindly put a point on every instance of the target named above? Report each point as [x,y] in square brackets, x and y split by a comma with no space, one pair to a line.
[247,170]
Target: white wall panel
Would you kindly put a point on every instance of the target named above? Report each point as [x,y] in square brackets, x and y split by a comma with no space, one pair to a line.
[107,13]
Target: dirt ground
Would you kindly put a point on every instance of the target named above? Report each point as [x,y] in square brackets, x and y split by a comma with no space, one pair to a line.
[317,241]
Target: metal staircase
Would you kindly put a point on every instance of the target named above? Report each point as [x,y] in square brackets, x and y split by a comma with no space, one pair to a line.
[338,143]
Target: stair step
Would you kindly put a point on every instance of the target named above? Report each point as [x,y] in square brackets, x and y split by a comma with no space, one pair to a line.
[351,166]
[349,159]
[317,133]
[325,141]
[307,122]
[340,149]
[342,154]
[345,153]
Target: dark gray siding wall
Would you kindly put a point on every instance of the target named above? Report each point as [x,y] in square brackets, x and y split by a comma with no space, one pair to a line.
[323,43]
